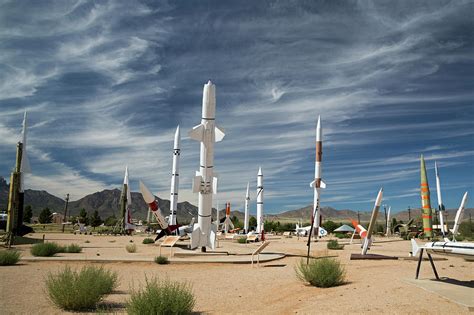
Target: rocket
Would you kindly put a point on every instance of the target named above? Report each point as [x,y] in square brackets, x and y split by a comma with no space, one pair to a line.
[373,220]
[247,201]
[227,222]
[205,183]
[425,201]
[260,227]
[152,203]
[441,207]
[359,229]
[459,215]
[25,162]
[317,183]
[389,224]
[126,204]
[175,178]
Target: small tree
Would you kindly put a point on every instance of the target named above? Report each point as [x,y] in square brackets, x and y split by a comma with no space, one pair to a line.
[95,219]
[111,221]
[27,214]
[330,226]
[82,218]
[252,221]
[45,216]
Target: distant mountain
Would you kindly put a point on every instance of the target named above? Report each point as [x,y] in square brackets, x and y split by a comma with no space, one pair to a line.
[107,202]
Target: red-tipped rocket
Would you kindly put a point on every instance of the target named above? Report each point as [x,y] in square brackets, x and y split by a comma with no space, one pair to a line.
[228,225]
[373,220]
[359,229]
[205,182]
[153,205]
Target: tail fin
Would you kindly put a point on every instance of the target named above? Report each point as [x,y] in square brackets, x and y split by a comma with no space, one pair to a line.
[414,247]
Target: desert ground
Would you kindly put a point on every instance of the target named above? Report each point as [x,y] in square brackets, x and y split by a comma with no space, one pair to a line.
[372,286]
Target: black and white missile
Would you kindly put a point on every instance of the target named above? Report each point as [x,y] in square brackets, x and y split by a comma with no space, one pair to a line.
[260,226]
[175,178]
[247,201]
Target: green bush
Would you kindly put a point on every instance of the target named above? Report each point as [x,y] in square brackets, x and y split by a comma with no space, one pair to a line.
[73,248]
[242,240]
[9,257]
[162,260]
[46,249]
[342,235]
[162,297]
[323,273]
[334,244]
[80,290]
[131,248]
[148,240]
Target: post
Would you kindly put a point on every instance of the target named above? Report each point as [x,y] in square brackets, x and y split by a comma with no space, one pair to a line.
[65,210]
[409,213]
[358,217]
[419,263]
[386,221]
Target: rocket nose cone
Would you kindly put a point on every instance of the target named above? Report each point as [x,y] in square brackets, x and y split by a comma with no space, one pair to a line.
[177,135]
[209,82]
[319,122]
[146,193]
[260,171]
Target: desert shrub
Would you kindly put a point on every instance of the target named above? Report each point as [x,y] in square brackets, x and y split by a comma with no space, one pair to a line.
[46,249]
[87,241]
[242,240]
[80,290]
[162,297]
[323,273]
[148,240]
[334,244]
[131,248]
[9,257]
[73,248]
[162,260]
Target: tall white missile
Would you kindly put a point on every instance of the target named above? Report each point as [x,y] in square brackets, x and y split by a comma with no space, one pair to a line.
[127,203]
[260,227]
[175,178]
[441,207]
[247,200]
[373,220]
[459,215]
[317,183]
[204,183]
[25,162]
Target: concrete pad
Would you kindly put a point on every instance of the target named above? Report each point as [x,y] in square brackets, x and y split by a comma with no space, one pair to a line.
[460,292]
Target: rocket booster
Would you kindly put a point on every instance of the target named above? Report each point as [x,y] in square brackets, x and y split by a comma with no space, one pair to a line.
[227,222]
[260,227]
[152,203]
[175,178]
[247,200]
[317,183]
[441,207]
[425,200]
[205,183]
[459,215]
[373,220]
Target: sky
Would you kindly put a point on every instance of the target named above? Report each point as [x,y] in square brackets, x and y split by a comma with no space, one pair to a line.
[105,84]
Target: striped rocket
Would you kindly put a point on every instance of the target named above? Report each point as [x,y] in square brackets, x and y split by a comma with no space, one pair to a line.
[425,201]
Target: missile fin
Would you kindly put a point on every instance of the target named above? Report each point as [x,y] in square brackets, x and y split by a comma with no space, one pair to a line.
[219,134]
[197,133]
[214,185]
[312,184]
[197,180]
[322,185]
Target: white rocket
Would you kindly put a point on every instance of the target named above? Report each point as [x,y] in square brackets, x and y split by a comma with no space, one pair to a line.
[389,223]
[260,226]
[317,183]
[246,218]
[128,203]
[441,207]
[459,215]
[25,163]
[175,178]
[204,183]
[373,220]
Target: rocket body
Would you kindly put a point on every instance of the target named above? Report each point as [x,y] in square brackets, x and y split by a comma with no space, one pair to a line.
[389,224]
[227,222]
[260,227]
[317,183]
[205,183]
[247,201]
[441,207]
[175,178]
[126,203]
[425,201]
[359,229]
[459,215]
[373,220]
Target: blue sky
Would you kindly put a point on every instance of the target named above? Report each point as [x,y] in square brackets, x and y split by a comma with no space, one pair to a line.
[105,84]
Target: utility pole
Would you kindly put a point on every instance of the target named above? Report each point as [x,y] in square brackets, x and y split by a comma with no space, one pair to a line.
[409,213]
[358,216]
[65,211]
[385,210]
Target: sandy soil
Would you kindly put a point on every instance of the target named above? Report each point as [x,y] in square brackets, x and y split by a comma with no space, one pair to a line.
[372,286]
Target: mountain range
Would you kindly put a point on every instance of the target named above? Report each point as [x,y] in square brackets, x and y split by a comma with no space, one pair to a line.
[107,202]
